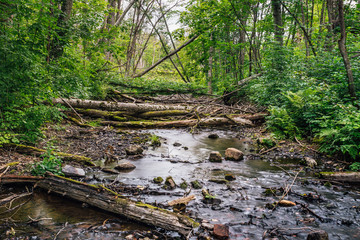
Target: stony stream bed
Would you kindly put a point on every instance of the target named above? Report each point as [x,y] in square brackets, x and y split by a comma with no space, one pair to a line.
[244,204]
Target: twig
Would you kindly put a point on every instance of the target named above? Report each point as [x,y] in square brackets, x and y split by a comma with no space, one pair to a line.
[306,146]
[77,114]
[310,211]
[60,230]
[269,150]
[288,188]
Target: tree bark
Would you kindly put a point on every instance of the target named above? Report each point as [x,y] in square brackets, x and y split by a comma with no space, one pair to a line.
[103,198]
[343,51]
[118,106]
[278,23]
[348,177]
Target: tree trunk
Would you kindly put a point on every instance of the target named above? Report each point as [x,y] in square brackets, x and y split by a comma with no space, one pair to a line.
[166,57]
[118,106]
[343,51]
[278,23]
[103,198]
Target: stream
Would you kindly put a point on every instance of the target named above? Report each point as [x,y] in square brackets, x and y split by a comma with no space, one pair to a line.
[184,157]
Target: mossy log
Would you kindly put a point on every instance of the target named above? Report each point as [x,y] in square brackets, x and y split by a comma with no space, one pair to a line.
[103,198]
[216,121]
[118,106]
[13,179]
[120,116]
[347,177]
[38,152]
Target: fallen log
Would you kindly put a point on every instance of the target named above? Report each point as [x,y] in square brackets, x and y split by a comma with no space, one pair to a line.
[347,177]
[12,179]
[216,121]
[118,106]
[103,198]
[38,152]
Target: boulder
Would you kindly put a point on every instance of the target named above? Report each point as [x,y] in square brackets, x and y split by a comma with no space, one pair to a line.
[71,171]
[125,166]
[109,170]
[234,154]
[134,150]
[318,235]
[215,157]
[221,231]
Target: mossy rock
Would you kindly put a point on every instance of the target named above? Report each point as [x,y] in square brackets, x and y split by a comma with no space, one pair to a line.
[196,185]
[158,180]
[184,185]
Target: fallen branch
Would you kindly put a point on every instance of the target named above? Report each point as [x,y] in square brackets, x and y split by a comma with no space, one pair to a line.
[310,211]
[38,152]
[347,177]
[13,179]
[108,200]
[184,200]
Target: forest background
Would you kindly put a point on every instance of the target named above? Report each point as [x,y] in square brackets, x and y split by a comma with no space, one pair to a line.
[302,57]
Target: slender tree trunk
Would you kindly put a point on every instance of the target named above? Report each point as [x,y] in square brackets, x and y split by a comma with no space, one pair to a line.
[210,71]
[278,23]
[343,51]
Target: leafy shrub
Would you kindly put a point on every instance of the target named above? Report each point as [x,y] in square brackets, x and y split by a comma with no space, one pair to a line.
[50,163]
[355,166]
[281,123]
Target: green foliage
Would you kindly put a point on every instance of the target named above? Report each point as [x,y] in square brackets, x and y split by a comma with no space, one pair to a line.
[24,124]
[281,123]
[355,166]
[155,140]
[157,86]
[50,163]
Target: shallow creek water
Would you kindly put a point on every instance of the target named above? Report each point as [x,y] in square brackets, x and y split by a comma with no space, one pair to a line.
[242,205]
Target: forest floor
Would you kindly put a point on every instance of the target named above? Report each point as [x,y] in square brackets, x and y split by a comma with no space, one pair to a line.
[106,145]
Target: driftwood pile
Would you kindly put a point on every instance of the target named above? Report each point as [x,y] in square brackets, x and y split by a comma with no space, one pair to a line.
[153,115]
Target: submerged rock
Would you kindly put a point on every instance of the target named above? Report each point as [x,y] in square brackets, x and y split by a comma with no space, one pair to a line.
[176,144]
[110,170]
[134,150]
[213,136]
[318,235]
[221,231]
[71,171]
[125,166]
[215,157]
[234,154]
[230,177]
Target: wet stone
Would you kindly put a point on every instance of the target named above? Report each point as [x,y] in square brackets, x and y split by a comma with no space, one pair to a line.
[109,170]
[71,171]
[234,154]
[215,157]
[208,226]
[158,180]
[125,166]
[213,136]
[169,183]
[230,177]
[221,231]
[134,150]
[196,185]
[318,235]
[177,144]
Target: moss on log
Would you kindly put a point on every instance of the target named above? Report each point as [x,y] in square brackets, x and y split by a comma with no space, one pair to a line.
[38,152]
[103,198]
[348,177]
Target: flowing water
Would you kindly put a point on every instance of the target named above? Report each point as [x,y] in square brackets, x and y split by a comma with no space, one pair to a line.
[184,157]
